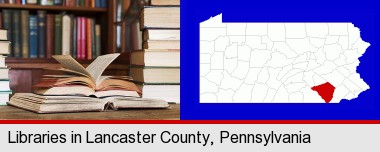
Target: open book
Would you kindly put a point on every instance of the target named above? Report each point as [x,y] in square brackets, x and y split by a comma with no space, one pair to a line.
[57,104]
[86,81]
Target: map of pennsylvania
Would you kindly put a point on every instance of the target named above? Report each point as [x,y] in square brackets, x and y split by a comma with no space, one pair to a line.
[279,62]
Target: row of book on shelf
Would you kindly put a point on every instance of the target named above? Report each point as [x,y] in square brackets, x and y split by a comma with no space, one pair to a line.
[42,35]
[156,68]
[5,90]
[77,3]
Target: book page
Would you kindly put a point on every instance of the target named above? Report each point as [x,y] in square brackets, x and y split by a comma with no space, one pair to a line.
[70,63]
[97,67]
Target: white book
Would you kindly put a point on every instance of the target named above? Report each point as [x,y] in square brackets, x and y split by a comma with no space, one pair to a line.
[66,25]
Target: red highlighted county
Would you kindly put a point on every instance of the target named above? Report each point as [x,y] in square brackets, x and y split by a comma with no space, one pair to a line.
[326,91]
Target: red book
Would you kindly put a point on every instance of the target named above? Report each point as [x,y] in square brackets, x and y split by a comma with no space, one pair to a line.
[49,35]
[79,38]
[18,1]
[83,35]
[70,3]
[88,39]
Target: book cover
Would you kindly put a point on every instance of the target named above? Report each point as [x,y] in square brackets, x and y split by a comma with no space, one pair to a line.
[41,33]
[79,37]
[66,25]
[160,17]
[31,1]
[58,2]
[4,35]
[88,39]
[7,24]
[16,39]
[93,47]
[98,3]
[33,36]
[25,33]
[97,40]
[74,37]
[83,38]
[58,34]
[46,2]
[165,2]
[50,34]
[70,2]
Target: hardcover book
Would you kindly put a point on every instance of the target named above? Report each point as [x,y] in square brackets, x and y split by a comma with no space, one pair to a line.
[155,75]
[33,36]
[168,58]
[50,35]
[60,104]
[66,39]
[160,17]
[25,33]
[41,34]
[58,34]
[86,81]
[16,37]
[165,2]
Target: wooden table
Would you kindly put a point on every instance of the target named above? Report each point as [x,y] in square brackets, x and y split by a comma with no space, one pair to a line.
[8,112]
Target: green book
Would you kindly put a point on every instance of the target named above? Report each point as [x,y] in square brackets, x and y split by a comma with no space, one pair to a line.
[97,40]
[58,34]
[25,33]
[16,39]
[7,24]
[74,38]
[94,55]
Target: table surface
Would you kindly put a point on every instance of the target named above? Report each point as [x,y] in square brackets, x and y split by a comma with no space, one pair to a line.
[12,113]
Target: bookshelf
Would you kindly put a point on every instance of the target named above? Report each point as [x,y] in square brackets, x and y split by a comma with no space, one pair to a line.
[25,72]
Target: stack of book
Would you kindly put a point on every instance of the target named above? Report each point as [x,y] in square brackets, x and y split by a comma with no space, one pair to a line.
[5,90]
[83,89]
[43,35]
[156,68]
[77,3]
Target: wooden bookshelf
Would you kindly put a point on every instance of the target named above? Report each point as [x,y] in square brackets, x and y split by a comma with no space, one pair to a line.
[25,72]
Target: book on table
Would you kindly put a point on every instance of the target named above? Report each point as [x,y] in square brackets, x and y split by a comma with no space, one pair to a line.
[83,89]
[86,81]
[59,104]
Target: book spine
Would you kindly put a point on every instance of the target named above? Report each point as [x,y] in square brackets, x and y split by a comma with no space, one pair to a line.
[79,37]
[104,3]
[25,33]
[16,33]
[74,37]
[18,1]
[57,2]
[31,1]
[66,24]
[82,3]
[70,3]
[41,33]
[98,3]
[50,35]
[83,40]
[1,20]
[93,47]
[7,23]
[46,2]
[97,40]
[92,3]
[89,39]
[23,2]
[33,36]
[58,34]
